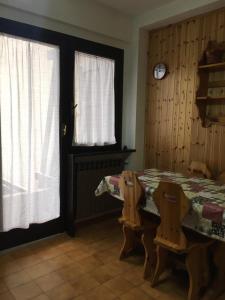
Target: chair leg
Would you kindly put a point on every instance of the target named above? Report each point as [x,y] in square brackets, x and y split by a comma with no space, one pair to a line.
[194,268]
[161,263]
[217,287]
[150,253]
[129,241]
[205,267]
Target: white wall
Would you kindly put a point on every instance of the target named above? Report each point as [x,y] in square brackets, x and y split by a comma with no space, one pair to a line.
[175,11]
[83,14]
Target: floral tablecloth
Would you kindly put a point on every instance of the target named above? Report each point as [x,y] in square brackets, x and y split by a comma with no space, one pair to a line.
[207,214]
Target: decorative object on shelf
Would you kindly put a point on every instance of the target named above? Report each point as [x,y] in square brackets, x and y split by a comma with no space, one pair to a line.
[210,97]
[214,53]
[160,71]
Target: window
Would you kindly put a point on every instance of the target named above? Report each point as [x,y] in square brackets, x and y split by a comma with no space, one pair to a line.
[94,99]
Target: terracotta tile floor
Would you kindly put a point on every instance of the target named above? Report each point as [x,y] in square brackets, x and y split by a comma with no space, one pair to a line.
[86,267]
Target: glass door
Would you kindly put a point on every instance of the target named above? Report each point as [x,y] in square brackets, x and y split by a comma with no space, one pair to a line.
[30,137]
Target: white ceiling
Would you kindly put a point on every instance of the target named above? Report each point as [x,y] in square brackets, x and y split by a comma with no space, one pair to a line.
[133,7]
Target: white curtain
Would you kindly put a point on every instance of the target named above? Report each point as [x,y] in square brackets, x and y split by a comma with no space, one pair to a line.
[29,110]
[94,100]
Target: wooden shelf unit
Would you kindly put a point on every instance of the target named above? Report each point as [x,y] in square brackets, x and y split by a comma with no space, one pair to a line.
[215,122]
[213,67]
[207,98]
[203,99]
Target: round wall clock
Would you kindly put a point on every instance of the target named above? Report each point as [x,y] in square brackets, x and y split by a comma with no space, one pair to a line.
[159,71]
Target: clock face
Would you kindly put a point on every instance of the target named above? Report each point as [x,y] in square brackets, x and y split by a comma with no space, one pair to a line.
[159,71]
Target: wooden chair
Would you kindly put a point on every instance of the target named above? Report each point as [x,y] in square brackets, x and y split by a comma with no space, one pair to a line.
[200,169]
[133,223]
[221,177]
[173,206]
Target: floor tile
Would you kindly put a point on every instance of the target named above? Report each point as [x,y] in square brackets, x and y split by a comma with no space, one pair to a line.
[7,296]
[40,269]
[28,261]
[84,284]
[9,267]
[62,292]
[135,294]
[26,291]
[135,277]
[71,273]
[17,278]
[41,297]
[51,252]
[82,297]
[89,264]
[60,261]
[112,269]
[101,275]
[101,293]
[3,288]
[21,252]
[49,281]
[6,257]
[119,285]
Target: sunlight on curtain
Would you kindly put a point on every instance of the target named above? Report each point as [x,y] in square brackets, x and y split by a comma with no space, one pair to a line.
[94,122]
[29,100]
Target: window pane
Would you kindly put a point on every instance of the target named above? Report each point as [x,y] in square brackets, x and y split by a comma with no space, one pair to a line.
[95,100]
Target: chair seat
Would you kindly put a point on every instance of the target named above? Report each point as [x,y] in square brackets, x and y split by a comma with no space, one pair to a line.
[147,226]
[193,240]
[127,223]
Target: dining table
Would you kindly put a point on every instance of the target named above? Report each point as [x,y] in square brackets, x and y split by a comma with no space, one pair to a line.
[206,215]
[207,197]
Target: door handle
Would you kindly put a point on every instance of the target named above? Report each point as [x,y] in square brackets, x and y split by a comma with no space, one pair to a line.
[64,129]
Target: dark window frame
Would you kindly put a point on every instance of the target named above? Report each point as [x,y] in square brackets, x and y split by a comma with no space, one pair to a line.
[67,45]
[118,56]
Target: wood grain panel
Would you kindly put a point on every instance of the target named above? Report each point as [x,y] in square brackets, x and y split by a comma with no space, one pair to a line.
[173,132]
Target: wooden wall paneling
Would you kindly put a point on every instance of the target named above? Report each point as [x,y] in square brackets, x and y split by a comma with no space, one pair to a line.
[147,112]
[204,149]
[182,95]
[171,92]
[151,106]
[200,153]
[159,105]
[212,132]
[195,130]
[178,126]
[160,117]
[176,83]
[164,103]
[148,116]
[201,150]
[212,19]
[155,108]
[190,97]
[193,33]
[174,134]
[220,33]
